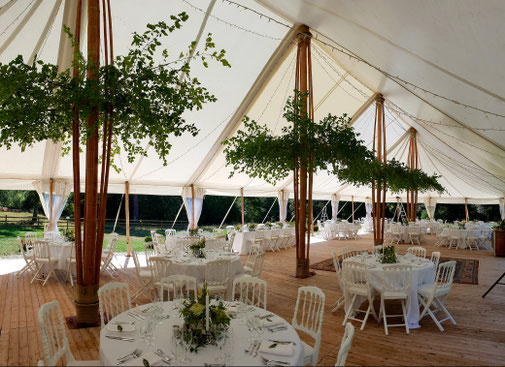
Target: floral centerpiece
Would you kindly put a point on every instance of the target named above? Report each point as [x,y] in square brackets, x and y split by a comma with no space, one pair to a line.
[461,225]
[252,227]
[203,322]
[388,255]
[69,234]
[238,228]
[197,248]
[193,231]
[268,225]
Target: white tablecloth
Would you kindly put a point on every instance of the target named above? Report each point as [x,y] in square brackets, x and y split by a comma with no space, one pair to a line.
[422,273]
[196,267]
[60,251]
[111,349]
[244,240]
[461,233]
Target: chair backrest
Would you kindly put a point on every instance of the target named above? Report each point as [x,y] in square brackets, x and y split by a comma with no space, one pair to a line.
[397,278]
[473,234]
[217,273]
[153,235]
[231,237]
[170,232]
[454,232]
[159,239]
[345,345]
[445,275]
[395,229]
[417,251]
[349,251]
[136,262]
[30,238]
[336,264]
[178,287]
[54,338]
[41,250]
[378,249]
[251,291]
[355,274]
[415,229]
[258,264]
[160,267]
[149,253]
[113,298]
[308,316]
[21,249]
[112,240]
[435,258]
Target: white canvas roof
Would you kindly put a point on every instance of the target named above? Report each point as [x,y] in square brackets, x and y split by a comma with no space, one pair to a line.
[429,59]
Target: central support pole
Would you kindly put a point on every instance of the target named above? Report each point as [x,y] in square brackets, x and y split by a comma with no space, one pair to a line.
[379,187]
[51,203]
[352,208]
[303,175]
[466,210]
[127,216]
[193,226]
[242,205]
[412,163]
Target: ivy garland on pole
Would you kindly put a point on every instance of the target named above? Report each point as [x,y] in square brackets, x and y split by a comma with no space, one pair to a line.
[130,99]
[330,145]
[333,144]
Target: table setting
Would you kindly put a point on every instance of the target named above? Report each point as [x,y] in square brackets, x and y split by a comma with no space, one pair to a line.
[199,331]
[423,272]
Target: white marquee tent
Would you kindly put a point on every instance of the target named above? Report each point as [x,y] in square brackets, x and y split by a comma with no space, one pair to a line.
[439,65]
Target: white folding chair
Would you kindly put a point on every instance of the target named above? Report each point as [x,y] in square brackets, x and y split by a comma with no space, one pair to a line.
[113,298]
[258,239]
[417,251]
[251,291]
[30,265]
[170,232]
[338,272]
[257,266]
[436,294]
[454,237]
[415,234]
[308,318]
[249,264]
[217,277]
[42,257]
[442,237]
[396,234]
[396,285]
[274,240]
[71,262]
[484,237]
[54,338]
[349,251]
[178,287]
[160,268]
[472,240]
[107,257]
[144,275]
[357,285]
[30,239]
[345,345]
[435,258]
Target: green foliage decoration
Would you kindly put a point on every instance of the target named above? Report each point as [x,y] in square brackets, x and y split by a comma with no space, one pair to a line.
[148,97]
[332,144]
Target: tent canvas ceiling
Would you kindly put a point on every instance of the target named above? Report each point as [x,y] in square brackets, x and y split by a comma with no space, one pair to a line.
[453,49]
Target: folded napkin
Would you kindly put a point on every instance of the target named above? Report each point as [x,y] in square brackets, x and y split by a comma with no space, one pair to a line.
[126,328]
[280,349]
[232,310]
[151,358]
[273,323]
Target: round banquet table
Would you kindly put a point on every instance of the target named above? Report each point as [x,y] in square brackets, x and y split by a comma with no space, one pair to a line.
[185,264]
[60,251]
[238,341]
[423,272]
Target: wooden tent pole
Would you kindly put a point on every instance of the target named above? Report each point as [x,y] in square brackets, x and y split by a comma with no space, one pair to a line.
[193,226]
[353,208]
[412,163]
[127,216]
[51,203]
[242,205]
[378,187]
[466,210]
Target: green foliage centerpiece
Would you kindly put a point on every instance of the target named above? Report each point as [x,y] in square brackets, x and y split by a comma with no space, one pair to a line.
[193,231]
[388,255]
[203,322]
[197,248]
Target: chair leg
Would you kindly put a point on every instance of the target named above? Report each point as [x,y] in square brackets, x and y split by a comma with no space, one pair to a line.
[441,304]
[339,303]
[37,273]
[405,319]
[349,310]
[384,316]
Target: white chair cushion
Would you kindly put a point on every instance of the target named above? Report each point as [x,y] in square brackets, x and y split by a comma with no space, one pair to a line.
[394,295]
[84,363]
[247,270]
[145,274]
[425,289]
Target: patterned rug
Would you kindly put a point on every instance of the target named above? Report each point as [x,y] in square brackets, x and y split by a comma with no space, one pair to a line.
[467,270]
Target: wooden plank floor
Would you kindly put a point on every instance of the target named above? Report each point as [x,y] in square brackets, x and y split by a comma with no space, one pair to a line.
[478,339]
